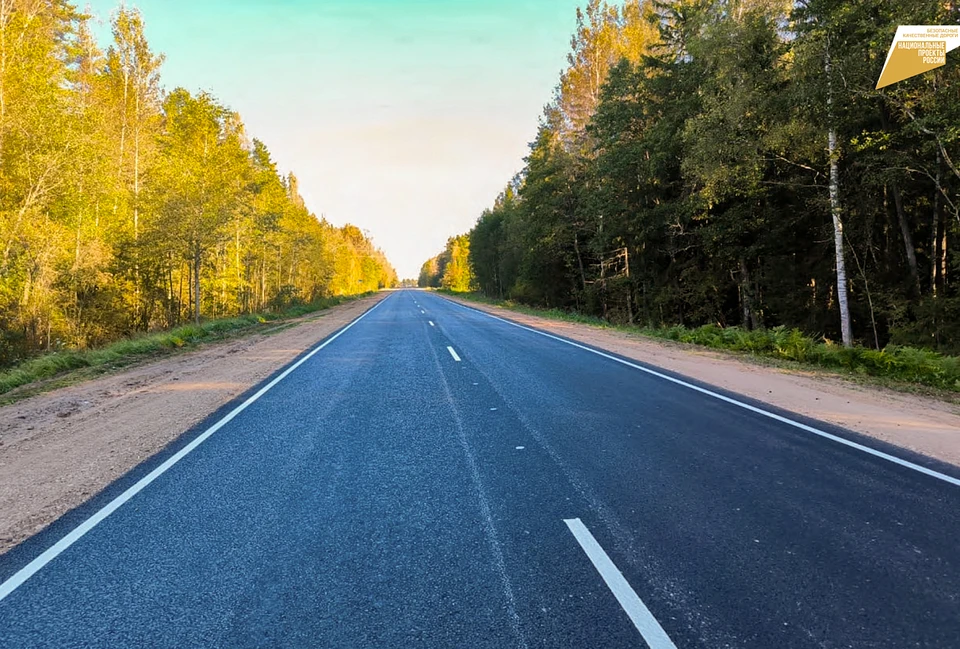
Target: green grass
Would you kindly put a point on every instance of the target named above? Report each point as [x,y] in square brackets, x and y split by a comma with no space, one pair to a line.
[896,364]
[57,365]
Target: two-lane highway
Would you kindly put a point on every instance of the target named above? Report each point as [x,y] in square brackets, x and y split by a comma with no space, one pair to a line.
[436,477]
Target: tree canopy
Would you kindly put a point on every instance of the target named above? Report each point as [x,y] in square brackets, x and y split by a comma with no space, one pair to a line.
[125,208]
[450,269]
[718,161]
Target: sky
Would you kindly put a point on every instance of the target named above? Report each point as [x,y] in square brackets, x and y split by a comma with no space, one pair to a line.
[403,117]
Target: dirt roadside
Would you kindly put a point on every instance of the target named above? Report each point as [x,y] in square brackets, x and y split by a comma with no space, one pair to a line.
[60,448]
[918,423]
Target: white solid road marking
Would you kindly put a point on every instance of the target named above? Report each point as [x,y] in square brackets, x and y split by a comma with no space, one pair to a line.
[740,404]
[453,353]
[431,323]
[72,537]
[653,634]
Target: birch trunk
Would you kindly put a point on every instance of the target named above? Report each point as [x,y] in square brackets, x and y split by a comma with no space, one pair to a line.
[934,233]
[846,331]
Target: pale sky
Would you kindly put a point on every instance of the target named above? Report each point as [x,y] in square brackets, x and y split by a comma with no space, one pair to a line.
[403,117]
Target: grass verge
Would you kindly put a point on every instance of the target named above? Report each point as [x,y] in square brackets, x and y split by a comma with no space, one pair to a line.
[906,366]
[53,368]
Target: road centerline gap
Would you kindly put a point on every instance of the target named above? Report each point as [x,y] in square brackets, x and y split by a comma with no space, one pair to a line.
[651,631]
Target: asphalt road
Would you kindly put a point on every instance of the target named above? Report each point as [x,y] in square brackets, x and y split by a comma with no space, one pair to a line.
[436,477]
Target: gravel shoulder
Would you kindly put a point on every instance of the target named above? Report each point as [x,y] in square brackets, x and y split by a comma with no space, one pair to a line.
[919,423]
[60,448]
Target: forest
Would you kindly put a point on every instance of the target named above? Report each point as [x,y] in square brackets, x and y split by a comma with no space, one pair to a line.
[450,269]
[127,208]
[730,163]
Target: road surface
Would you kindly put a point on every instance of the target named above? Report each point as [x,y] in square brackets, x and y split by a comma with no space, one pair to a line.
[432,476]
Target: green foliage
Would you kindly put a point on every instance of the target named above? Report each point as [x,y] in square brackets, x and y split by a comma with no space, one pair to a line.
[450,270]
[124,209]
[792,344]
[683,180]
[457,276]
[906,364]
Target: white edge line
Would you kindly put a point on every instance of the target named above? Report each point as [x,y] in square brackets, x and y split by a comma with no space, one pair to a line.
[653,634]
[73,536]
[746,406]
[453,353]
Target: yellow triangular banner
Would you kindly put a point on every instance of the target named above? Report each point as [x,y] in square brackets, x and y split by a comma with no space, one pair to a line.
[917,49]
